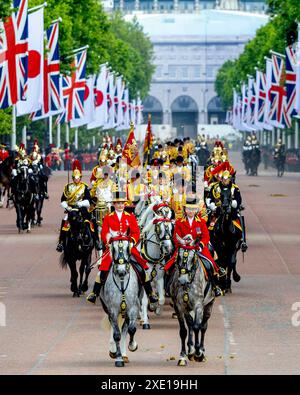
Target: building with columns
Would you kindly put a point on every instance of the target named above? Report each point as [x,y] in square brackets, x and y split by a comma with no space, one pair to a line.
[192,39]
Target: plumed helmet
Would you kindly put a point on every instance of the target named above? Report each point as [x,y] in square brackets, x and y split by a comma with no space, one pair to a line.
[77,169]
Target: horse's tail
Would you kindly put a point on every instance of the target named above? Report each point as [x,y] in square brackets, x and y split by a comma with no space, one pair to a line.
[62,261]
[105,324]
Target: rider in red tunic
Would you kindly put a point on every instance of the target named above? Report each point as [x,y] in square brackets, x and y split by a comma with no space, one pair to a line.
[3,153]
[125,224]
[192,229]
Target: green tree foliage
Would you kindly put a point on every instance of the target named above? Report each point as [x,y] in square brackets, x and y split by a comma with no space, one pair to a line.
[279,32]
[4,8]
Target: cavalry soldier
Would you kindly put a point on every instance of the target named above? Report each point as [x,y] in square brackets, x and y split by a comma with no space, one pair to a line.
[178,199]
[213,202]
[192,229]
[36,159]
[118,148]
[76,195]
[3,153]
[97,170]
[161,153]
[124,223]
[136,190]
[101,194]
[182,170]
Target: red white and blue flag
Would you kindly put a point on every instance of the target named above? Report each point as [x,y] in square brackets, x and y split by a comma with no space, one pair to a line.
[14,55]
[52,103]
[277,93]
[100,92]
[290,84]
[73,87]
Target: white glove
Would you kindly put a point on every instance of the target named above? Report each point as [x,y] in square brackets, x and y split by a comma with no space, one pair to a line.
[207,201]
[205,183]
[14,172]
[212,206]
[64,205]
[30,171]
[234,204]
[84,203]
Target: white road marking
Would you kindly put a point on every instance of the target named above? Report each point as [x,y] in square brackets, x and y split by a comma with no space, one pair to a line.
[228,336]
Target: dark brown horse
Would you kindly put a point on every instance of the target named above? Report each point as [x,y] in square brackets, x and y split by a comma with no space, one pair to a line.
[5,179]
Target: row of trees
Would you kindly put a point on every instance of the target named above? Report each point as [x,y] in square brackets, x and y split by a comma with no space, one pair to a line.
[110,38]
[278,33]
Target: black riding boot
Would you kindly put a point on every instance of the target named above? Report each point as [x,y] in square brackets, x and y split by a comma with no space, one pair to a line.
[100,280]
[62,237]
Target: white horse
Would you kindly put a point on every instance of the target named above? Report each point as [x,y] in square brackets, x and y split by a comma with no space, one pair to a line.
[121,299]
[156,247]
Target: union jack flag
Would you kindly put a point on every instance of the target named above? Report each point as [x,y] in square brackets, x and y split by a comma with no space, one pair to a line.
[251,101]
[277,93]
[52,88]
[14,55]
[73,89]
[290,84]
[261,97]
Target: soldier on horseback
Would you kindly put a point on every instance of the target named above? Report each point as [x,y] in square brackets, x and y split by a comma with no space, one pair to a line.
[213,202]
[191,231]
[3,153]
[125,224]
[76,195]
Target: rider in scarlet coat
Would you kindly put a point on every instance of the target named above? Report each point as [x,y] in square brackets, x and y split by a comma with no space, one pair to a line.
[124,223]
[3,153]
[192,228]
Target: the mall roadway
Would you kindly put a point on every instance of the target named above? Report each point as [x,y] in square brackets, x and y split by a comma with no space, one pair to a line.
[250,332]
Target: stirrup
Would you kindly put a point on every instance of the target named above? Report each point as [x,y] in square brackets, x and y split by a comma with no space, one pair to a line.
[244,246]
[92,297]
[59,247]
[218,291]
[222,272]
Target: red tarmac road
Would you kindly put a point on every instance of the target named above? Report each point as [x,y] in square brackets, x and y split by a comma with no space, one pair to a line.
[251,331]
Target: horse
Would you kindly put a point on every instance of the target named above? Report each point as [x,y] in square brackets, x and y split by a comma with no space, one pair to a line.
[79,244]
[39,193]
[121,298]
[156,247]
[254,160]
[226,238]
[193,299]
[5,179]
[22,190]
[279,160]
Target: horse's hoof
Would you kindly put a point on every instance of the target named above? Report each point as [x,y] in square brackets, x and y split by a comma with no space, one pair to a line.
[236,277]
[191,357]
[158,310]
[84,287]
[146,326]
[119,364]
[199,358]
[113,355]
[174,316]
[182,362]
[126,359]
[133,349]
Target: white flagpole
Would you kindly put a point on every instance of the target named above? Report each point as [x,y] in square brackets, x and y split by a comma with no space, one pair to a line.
[50,130]
[58,135]
[76,139]
[24,135]
[67,133]
[13,139]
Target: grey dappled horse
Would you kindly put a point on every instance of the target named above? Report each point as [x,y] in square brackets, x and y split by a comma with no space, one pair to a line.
[121,298]
[193,299]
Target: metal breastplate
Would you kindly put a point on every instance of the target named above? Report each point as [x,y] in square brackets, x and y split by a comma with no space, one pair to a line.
[75,193]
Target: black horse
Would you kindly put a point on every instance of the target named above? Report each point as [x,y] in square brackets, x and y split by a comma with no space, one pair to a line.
[40,192]
[279,160]
[255,159]
[226,238]
[78,246]
[23,190]
[5,179]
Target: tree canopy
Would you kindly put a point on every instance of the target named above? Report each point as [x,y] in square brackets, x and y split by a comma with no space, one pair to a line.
[279,32]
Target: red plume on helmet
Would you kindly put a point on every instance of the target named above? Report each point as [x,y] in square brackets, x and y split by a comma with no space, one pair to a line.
[77,165]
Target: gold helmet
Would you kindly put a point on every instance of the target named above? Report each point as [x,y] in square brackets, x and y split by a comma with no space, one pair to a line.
[77,170]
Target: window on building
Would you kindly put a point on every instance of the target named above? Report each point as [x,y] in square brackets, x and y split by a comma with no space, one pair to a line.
[197,72]
[158,72]
[184,72]
[172,71]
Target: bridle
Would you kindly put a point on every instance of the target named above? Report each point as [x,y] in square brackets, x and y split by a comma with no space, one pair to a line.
[120,260]
[183,269]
